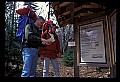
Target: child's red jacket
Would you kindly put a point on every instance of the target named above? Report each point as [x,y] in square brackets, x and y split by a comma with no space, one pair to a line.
[50,51]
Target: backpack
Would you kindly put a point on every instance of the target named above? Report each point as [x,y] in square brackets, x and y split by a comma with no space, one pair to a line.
[33,36]
[23,20]
[27,10]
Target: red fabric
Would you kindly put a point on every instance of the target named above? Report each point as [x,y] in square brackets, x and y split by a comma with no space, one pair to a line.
[49,21]
[45,27]
[54,47]
[25,10]
[40,50]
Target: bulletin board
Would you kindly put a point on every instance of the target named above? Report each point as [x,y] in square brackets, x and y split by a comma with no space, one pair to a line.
[93,43]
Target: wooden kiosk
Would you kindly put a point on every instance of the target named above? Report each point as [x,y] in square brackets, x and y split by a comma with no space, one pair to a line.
[94,32]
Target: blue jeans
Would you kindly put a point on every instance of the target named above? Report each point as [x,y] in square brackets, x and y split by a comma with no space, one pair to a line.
[30,57]
[46,64]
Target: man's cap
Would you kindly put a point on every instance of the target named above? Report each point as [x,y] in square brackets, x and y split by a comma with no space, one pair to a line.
[49,21]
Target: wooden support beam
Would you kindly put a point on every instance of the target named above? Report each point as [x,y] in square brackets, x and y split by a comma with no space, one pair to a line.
[55,3]
[94,15]
[65,21]
[64,4]
[66,13]
[84,14]
[85,6]
[91,5]
[79,15]
[76,68]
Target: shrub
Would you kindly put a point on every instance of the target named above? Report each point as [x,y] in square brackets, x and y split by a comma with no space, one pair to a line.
[67,58]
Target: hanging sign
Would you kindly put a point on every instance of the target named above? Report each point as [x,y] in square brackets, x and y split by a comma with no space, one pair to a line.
[71,43]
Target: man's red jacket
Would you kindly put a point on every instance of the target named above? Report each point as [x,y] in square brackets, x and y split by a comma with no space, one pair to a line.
[50,51]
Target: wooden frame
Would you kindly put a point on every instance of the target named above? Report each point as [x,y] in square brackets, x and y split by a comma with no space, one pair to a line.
[104,43]
[112,25]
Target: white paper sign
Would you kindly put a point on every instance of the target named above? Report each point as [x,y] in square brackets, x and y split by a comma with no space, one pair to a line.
[71,43]
[92,43]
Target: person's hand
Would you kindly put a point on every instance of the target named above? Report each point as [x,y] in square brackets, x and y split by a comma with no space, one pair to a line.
[49,43]
[59,55]
[44,41]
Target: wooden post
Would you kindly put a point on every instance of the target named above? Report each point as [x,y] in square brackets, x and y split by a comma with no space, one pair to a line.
[76,68]
[113,71]
[113,61]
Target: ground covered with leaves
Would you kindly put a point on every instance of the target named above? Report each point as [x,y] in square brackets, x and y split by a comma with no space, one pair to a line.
[84,71]
[65,71]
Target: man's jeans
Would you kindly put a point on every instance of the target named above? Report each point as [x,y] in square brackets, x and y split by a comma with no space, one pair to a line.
[46,64]
[30,57]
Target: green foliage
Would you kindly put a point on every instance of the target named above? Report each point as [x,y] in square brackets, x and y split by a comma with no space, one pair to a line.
[67,58]
[15,51]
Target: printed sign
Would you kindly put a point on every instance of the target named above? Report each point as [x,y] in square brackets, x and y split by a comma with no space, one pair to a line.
[92,43]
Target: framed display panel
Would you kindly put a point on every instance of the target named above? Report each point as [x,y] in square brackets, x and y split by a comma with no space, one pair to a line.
[112,24]
[94,43]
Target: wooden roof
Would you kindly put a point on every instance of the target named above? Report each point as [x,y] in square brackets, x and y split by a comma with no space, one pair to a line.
[81,9]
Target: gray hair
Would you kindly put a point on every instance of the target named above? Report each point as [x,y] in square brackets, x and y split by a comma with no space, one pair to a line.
[40,17]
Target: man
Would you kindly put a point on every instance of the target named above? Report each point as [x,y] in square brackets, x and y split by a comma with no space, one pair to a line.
[30,47]
[50,52]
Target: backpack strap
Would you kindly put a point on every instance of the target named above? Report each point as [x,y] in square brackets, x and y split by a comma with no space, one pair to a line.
[45,35]
[55,35]
[32,26]
[23,36]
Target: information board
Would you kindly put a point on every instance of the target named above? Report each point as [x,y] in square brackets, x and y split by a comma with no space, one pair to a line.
[92,43]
